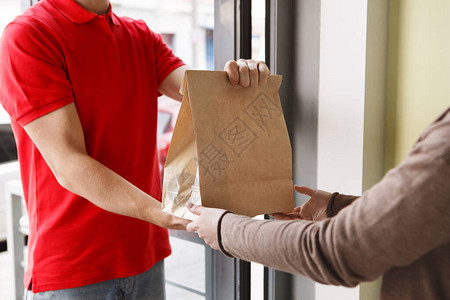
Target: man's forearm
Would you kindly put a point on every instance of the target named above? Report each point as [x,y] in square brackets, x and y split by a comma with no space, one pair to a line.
[88,178]
[171,84]
[59,137]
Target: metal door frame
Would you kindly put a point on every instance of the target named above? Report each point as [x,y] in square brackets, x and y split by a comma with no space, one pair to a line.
[233,38]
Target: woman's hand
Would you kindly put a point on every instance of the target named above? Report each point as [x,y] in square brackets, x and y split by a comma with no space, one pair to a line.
[206,224]
[314,209]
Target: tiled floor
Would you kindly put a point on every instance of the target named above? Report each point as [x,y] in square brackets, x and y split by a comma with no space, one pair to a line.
[186,266]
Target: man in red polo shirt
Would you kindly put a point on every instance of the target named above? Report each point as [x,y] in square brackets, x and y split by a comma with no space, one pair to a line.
[81,87]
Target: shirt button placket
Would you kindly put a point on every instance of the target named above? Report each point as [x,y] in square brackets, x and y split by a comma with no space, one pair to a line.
[113,49]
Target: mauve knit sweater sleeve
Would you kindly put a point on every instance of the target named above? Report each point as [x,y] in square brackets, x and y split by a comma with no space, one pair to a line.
[394,223]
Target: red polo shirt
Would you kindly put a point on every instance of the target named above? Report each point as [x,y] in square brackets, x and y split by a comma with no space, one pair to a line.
[57,53]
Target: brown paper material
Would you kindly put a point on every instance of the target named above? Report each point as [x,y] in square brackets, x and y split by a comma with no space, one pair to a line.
[230,148]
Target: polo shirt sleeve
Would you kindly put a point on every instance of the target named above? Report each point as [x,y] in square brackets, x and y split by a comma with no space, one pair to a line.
[33,80]
[165,60]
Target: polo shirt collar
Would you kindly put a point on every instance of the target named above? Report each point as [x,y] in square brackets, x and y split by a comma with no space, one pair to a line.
[78,14]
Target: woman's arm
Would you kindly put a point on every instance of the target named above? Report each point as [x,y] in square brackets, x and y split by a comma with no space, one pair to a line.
[394,223]
[338,202]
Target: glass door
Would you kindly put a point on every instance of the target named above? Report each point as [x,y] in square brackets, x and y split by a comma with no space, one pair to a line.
[186,26]
[204,34]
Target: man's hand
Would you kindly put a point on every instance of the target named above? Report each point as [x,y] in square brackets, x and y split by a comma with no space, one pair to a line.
[174,222]
[244,72]
[247,73]
[314,209]
[206,224]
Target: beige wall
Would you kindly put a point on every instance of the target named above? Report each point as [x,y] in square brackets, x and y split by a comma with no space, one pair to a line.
[418,87]
[418,79]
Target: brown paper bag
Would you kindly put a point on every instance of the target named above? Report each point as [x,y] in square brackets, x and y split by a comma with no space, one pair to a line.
[230,148]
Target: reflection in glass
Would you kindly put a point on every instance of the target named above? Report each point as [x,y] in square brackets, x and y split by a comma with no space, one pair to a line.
[258,29]
[258,53]
[185,25]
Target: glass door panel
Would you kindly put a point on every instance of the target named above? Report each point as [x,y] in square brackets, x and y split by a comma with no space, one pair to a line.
[258,54]
[186,26]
